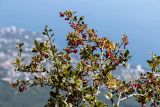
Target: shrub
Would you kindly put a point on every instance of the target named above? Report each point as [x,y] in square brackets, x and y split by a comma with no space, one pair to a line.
[77,82]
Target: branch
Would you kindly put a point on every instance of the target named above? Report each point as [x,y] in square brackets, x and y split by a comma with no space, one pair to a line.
[119,100]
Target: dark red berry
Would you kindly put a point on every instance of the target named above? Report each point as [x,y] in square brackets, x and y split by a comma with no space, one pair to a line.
[61,14]
[75,51]
[22,88]
[66,18]
[84,36]
[82,43]
[94,48]
[68,50]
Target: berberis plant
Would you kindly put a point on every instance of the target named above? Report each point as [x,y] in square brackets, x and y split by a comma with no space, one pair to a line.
[77,84]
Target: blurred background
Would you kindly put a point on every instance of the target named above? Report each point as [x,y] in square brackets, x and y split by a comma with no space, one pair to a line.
[24,20]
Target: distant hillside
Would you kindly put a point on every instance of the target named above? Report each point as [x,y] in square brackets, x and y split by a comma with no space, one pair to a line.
[33,97]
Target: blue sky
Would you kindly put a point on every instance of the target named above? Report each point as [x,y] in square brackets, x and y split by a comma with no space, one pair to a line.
[139,19]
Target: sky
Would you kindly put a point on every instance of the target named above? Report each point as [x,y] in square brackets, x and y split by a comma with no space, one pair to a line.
[139,19]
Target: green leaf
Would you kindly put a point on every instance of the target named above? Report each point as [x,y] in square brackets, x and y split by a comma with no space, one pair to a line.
[41,44]
[36,43]
[78,82]
[46,28]
[100,104]
[70,105]
[65,70]
[114,105]
[158,57]
[81,18]
[35,77]
[50,30]
[53,94]
[83,104]
[69,68]
[71,81]
[17,61]
[34,49]
[44,33]
[126,53]
[109,96]
[88,97]
[80,66]
[149,62]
